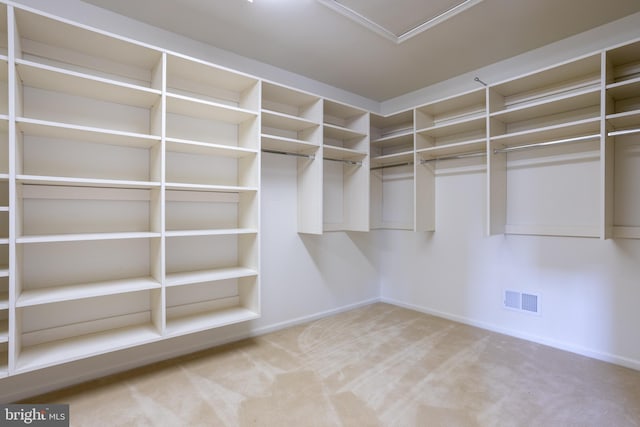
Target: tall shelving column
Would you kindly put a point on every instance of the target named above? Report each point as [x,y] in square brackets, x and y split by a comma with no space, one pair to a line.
[544,151]
[5,228]
[212,196]
[450,127]
[346,168]
[292,124]
[88,238]
[392,180]
[621,110]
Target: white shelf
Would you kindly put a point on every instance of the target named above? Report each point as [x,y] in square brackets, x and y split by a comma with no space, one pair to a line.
[53,238]
[279,120]
[77,47]
[195,147]
[396,138]
[202,276]
[85,182]
[339,132]
[207,187]
[562,130]
[211,81]
[83,346]
[4,271]
[288,145]
[340,153]
[574,100]
[581,70]
[275,93]
[193,107]
[452,127]
[50,129]
[624,89]
[4,176]
[210,232]
[405,156]
[80,291]
[4,208]
[60,80]
[625,119]
[4,241]
[453,149]
[204,321]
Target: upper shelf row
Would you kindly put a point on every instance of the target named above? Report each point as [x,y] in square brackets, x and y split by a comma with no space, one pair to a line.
[52,55]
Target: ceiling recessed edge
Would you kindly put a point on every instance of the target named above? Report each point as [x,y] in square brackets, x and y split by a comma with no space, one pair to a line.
[338,7]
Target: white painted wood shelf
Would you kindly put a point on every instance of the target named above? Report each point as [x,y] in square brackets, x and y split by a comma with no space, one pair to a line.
[39,296]
[212,275]
[44,128]
[80,347]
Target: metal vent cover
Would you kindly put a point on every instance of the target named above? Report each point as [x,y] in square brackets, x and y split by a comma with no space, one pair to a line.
[521,301]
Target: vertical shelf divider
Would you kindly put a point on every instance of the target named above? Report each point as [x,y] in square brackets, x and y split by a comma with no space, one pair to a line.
[15,323]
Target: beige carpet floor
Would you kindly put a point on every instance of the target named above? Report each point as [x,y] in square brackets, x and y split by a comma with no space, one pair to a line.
[376,366]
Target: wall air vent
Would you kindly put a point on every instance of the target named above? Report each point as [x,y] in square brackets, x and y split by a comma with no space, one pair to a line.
[521,301]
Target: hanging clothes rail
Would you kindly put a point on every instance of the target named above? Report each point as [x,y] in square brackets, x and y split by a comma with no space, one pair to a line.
[285,153]
[312,157]
[454,157]
[394,165]
[547,143]
[349,162]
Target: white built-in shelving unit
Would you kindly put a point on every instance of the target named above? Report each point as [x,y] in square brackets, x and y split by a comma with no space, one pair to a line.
[392,183]
[346,167]
[553,189]
[559,146]
[292,125]
[445,129]
[621,133]
[129,193]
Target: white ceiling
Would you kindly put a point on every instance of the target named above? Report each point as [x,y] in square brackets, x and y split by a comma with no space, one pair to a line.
[308,38]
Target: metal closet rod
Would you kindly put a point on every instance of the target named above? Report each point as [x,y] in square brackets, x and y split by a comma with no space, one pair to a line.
[394,165]
[312,157]
[546,144]
[286,153]
[349,162]
[435,159]
[455,157]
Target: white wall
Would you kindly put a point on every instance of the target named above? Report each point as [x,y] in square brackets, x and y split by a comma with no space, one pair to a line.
[589,288]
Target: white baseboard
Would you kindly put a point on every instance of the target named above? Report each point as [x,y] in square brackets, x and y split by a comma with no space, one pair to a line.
[583,351]
[21,392]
